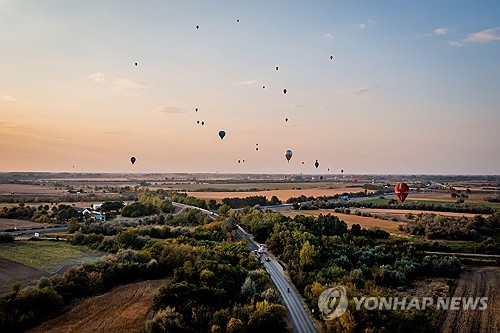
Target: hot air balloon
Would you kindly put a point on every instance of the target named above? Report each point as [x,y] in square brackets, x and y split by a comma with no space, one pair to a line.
[196,110]
[277,68]
[320,177]
[328,169]
[202,123]
[342,171]
[286,120]
[197,27]
[355,180]
[302,162]
[239,161]
[256,148]
[237,20]
[136,64]
[222,134]
[243,161]
[316,164]
[197,121]
[284,91]
[288,155]
[331,57]
[401,190]
[132,159]
[263,87]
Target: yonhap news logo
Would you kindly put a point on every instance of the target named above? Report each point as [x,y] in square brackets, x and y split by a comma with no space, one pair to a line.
[333,303]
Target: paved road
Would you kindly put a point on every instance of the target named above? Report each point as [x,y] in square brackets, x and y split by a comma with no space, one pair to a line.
[39,230]
[301,321]
[300,318]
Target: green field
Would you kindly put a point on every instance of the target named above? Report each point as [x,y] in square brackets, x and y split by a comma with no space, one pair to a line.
[47,256]
[379,201]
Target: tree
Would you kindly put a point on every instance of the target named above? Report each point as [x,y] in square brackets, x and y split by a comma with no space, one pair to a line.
[268,317]
[73,225]
[235,325]
[223,210]
[307,254]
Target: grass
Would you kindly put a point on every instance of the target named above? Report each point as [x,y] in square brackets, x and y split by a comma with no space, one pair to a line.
[47,256]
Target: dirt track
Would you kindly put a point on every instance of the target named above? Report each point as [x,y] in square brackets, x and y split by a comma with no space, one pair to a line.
[475,282]
[123,309]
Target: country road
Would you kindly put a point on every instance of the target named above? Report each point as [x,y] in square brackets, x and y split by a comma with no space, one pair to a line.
[301,321]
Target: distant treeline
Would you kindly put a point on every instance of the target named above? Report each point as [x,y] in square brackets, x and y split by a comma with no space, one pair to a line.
[252,201]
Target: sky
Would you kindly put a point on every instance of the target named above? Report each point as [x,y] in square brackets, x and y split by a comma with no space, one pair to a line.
[413,86]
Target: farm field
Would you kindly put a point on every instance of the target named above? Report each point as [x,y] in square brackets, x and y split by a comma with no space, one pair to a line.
[350,219]
[12,272]
[6,224]
[123,309]
[47,256]
[475,282]
[283,194]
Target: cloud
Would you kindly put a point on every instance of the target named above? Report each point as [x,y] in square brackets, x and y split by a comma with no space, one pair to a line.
[357,91]
[362,26]
[440,31]
[484,36]
[169,109]
[247,83]
[481,37]
[98,78]
[328,36]
[129,87]
[7,98]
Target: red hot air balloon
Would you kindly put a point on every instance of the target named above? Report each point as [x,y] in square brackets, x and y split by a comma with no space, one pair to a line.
[401,190]
[331,57]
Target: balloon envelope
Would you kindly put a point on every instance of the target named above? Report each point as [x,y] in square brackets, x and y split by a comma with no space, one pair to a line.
[316,164]
[288,155]
[401,190]
[284,91]
[132,159]
[222,134]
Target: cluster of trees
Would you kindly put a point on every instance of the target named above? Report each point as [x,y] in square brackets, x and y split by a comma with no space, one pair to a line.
[185,199]
[252,201]
[230,291]
[20,212]
[148,203]
[218,296]
[434,226]
[323,251]
[40,214]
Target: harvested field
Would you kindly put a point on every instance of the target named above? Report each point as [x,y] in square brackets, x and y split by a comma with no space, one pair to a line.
[475,282]
[350,219]
[123,309]
[283,195]
[6,224]
[400,213]
[12,272]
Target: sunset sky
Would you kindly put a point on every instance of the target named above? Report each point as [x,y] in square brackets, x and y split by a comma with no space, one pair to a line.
[414,86]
